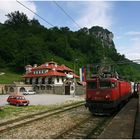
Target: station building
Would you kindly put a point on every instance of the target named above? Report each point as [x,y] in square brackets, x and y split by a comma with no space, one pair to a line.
[51,78]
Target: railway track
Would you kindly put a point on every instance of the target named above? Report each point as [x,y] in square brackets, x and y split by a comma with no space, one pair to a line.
[89,128]
[5,126]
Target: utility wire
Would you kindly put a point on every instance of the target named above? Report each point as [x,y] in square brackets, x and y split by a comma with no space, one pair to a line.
[67,14]
[35,13]
[135,60]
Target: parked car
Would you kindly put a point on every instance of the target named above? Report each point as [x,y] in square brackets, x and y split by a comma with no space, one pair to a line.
[29,92]
[17,100]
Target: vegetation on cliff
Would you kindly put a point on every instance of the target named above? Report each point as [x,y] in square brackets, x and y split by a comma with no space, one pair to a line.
[24,41]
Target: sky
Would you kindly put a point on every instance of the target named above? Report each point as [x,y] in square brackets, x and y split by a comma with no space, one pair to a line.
[120,17]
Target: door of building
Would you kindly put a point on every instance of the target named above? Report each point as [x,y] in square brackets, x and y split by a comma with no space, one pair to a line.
[67,89]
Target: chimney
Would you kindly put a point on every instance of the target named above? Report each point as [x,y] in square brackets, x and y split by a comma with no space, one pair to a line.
[35,65]
[28,68]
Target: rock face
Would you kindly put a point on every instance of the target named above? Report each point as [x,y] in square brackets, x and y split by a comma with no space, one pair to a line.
[104,35]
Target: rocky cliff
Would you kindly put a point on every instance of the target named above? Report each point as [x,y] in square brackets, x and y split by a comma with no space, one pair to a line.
[105,35]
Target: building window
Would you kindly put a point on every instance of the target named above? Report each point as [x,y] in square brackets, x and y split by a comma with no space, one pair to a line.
[22,89]
[50,80]
[72,87]
[62,79]
[43,80]
[36,88]
[57,79]
[48,87]
[42,87]
[36,82]
[30,81]
[11,89]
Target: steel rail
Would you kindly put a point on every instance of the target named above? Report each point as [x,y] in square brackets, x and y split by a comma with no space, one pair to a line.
[85,129]
[5,126]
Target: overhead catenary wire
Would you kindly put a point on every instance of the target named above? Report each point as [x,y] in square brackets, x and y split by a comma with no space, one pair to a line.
[35,13]
[67,14]
[136,61]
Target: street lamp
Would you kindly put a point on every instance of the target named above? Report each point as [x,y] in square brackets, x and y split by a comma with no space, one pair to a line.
[75,60]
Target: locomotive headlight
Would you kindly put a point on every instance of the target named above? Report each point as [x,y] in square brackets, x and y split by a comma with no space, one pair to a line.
[107,97]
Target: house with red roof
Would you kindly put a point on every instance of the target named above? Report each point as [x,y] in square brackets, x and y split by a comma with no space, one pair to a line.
[49,75]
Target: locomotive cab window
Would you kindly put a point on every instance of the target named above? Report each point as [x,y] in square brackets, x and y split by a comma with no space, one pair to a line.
[92,85]
[105,84]
[113,84]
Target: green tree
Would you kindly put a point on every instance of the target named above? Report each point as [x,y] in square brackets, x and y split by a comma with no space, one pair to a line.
[17,19]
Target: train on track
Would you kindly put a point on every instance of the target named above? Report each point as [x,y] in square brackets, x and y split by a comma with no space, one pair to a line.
[105,95]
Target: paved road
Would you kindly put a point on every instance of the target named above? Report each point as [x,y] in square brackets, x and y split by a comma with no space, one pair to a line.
[43,99]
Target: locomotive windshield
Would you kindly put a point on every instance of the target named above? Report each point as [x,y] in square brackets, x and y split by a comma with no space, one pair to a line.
[91,85]
[107,84]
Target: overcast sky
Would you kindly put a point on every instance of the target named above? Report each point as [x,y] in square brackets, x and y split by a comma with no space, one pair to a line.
[120,17]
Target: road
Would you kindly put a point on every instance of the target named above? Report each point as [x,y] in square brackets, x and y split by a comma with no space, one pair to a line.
[43,99]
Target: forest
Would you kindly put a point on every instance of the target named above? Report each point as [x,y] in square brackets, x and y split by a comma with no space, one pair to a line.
[24,41]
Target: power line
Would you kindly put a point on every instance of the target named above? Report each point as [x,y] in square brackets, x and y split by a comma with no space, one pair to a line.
[67,14]
[35,13]
[135,60]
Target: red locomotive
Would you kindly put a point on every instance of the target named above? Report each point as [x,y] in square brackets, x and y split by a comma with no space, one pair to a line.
[104,95]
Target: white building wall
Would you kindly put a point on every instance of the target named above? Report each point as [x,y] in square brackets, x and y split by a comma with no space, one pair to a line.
[60,81]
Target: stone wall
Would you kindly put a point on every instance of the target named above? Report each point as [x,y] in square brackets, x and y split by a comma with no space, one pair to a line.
[51,90]
[16,88]
[80,90]
[60,90]
[2,89]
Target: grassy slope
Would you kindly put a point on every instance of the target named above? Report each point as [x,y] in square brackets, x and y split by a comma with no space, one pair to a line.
[9,77]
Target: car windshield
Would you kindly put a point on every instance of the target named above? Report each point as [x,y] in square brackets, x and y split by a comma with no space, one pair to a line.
[20,98]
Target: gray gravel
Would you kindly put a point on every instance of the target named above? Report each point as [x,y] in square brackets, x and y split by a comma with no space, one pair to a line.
[48,127]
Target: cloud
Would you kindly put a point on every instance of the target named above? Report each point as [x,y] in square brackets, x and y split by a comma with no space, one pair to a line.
[118,37]
[11,6]
[132,33]
[133,51]
[135,39]
[96,13]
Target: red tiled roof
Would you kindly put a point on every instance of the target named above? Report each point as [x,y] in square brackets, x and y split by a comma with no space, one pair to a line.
[54,70]
[65,68]
[74,75]
[50,66]
[39,67]
[55,73]
[51,62]
[82,83]
[58,68]
[49,73]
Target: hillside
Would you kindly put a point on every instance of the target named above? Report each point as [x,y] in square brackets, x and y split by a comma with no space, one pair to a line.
[24,41]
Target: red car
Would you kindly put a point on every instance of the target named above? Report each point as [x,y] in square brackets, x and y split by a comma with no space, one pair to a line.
[17,100]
